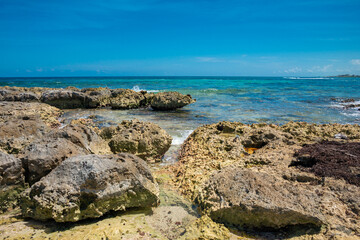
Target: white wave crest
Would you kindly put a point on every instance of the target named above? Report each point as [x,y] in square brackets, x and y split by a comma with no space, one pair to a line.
[136,88]
[181,137]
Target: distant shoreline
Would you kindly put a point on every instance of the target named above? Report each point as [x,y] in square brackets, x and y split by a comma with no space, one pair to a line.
[346,76]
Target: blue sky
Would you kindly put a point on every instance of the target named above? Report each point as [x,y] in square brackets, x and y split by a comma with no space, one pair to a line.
[188,37]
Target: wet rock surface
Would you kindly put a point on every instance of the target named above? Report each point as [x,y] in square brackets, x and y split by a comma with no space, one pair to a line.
[170,101]
[89,186]
[71,97]
[144,139]
[340,160]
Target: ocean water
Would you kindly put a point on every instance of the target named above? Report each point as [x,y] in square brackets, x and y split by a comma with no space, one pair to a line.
[244,99]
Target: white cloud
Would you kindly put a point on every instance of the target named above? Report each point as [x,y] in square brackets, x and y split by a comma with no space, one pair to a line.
[355,62]
[319,69]
[293,70]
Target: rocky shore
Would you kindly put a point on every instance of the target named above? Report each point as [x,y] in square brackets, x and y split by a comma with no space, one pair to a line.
[71,97]
[231,181]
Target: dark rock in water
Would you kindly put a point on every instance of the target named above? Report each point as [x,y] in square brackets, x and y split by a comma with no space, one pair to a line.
[348,100]
[126,99]
[144,139]
[8,95]
[97,97]
[11,170]
[72,97]
[12,181]
[331,159]
[42,156]
[90,186]
[64,99]
[257,200]
[170,100]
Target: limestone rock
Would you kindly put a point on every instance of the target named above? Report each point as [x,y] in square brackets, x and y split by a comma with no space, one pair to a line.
[126,99]
[143,139]
[243,197]
[170,100]
[97,97]
[90,186]
[8,95]
[45,154]
[11,170]
[22,123]
[83,136]
[46,113]
[64,99]
[17,133]
[12,181]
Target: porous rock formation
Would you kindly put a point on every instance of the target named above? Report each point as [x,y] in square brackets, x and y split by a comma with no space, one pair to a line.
[71,97]
[42,156]
[170,101]
[263,190]
[143,139]
[22,123]
[90,186]
[12,181]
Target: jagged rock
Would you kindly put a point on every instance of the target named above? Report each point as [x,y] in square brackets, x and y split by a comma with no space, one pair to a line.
[11,170]
[97,97]
[144,139]
[15,110]
[246,198]
[72,97]
[83,136]
[22,123]
[170,100]
[64,99]
[8,95]
[263,188]
[12,181]
[42,156]
[126,99]
[90,186]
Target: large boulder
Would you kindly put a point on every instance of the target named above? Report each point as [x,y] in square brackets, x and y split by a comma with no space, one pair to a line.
[45,154]
[246,198]
[64,99]
[90,186]
[143,139]
[170,100]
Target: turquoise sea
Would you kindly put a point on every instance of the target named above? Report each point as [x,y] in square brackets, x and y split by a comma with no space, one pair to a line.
[244,99]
